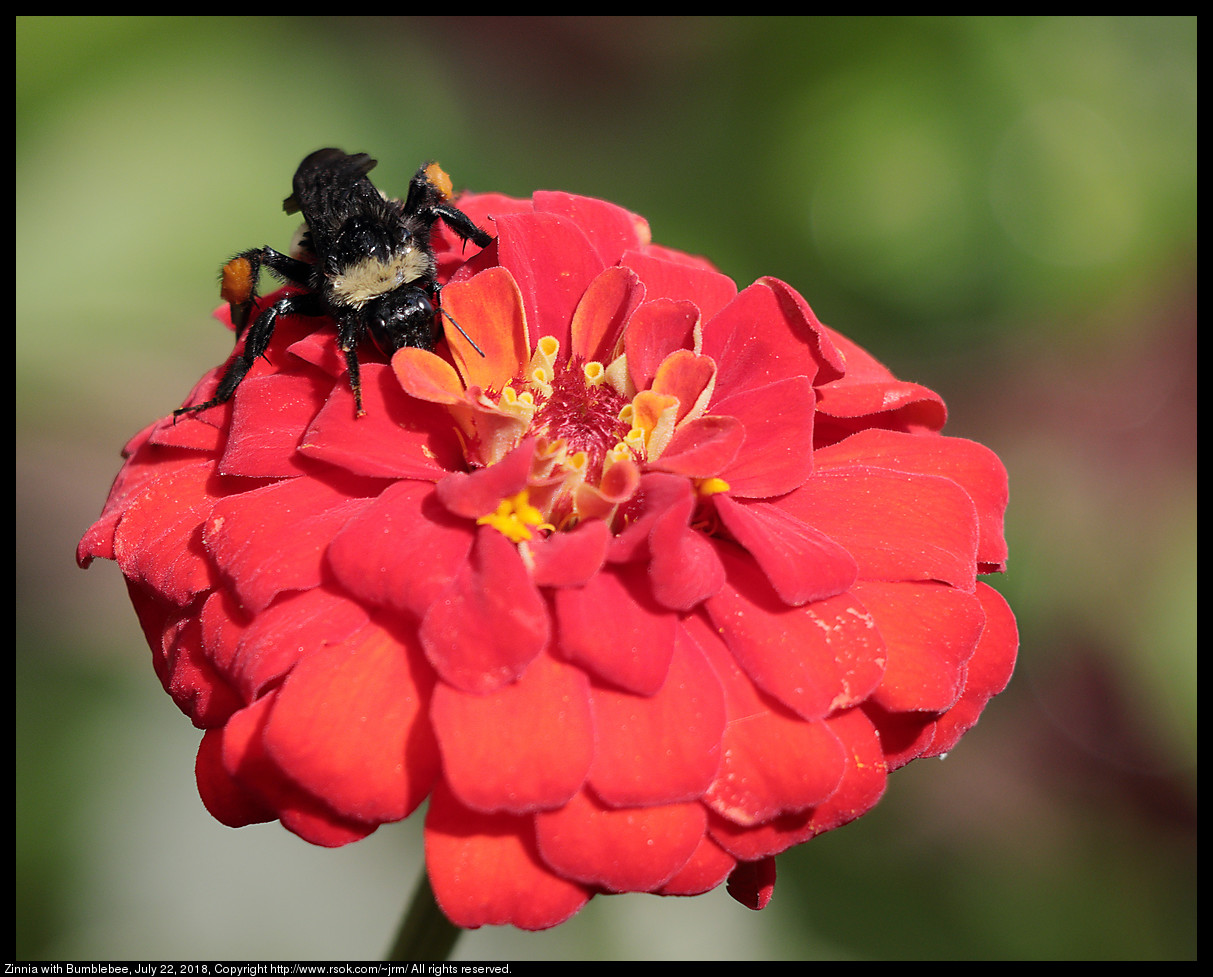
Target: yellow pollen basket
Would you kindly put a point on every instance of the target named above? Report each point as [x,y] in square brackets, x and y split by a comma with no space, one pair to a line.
[515,517]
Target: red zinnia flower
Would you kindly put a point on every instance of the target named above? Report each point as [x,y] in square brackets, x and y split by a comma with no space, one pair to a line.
[661,585]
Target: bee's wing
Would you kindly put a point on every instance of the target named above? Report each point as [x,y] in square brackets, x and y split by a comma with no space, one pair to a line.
[329,186]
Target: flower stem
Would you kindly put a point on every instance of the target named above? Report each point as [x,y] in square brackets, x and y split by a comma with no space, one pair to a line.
[425,933]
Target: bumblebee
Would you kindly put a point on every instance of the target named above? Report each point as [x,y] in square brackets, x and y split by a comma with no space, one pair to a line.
[364,260]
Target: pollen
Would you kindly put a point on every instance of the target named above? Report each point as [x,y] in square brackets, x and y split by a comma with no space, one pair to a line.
[238,281]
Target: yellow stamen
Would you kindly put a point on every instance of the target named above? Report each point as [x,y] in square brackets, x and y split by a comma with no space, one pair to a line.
[515,517]
[711,486]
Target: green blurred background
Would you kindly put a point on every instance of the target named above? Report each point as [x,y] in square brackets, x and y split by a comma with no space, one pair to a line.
[1002,209]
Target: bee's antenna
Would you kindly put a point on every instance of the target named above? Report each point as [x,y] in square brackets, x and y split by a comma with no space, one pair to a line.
[471,342]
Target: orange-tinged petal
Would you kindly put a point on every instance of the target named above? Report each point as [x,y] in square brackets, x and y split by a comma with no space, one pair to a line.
[603,311]
[427,376]
[489,308]
[690,378]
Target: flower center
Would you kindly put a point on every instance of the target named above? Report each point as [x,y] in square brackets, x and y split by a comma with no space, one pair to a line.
[583,412]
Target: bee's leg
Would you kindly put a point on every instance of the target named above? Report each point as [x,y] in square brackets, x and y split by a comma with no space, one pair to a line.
[256,343]
[349,335]
[461,224]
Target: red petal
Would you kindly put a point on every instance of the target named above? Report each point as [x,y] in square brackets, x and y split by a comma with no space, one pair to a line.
[227,801]
[490,623]
[904,736]
[223,622]
[485,869]
[135,477]
[988,673]
[569,559]
[801,563]
[398,437]
[553,263]
[773,762]
[478,493]
[758,339]
[897,526]
[274,538]
[753,883]
[292,628]
[158,539]
[656,330]
[973,466]
[632,849]
[611,229]
[663,278]
[349,726]
[702,448]
[663,748]
[707,868]
[268,420]
[870,391]
[931,631]
[685,568]
[198,685]
[831,364]
[402,550]
[657,493]
[523,747]
[185,432]
[612,627]
[863,781]
[815,659]
[778,453]
[245,759]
